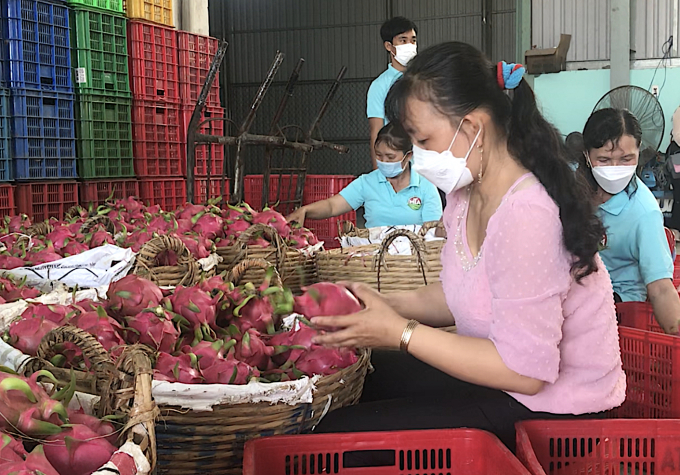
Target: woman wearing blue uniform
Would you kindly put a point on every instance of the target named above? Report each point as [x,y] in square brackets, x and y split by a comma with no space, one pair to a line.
[392,195]
[634,249]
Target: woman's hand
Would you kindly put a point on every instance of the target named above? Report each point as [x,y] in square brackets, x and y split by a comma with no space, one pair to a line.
[377,326]
[298,216]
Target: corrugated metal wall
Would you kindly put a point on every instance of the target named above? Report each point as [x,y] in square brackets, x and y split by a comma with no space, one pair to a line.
[588,23]
[329,34]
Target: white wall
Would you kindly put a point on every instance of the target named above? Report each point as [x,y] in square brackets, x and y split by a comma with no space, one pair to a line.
[191,15]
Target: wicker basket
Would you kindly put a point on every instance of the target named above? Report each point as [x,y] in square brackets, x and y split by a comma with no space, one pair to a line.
[94,221]
[373,265]
[348,228]
[187,272]
[296,269]
[192,442]
[124,387]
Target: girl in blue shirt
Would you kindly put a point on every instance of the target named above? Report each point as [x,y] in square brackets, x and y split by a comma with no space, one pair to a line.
[635,250]
[392,195]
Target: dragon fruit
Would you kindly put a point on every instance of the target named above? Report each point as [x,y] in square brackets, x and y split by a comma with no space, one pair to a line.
[100,325]
[179,369]
[100,238]
[35,464]
[8,262]
[73,248]
[189,210]
[325,361]
[152,328]
[78,450]
[326,299]
[290,345]
[216,284]
[207,352]
[42,256]
[229,371]
[252,350]
[198,246]
[162,224]
[197,307]
[58,314]
[102,428]
[273,218]
[16,224]
[208,225]
[131,294]
[11,450]
[234,229]
[88,305]
[60,237]
[27,333]
[11,291]
[233,213]
[301,238]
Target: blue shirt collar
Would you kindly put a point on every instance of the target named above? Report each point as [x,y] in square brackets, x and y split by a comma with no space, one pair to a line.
[617,203]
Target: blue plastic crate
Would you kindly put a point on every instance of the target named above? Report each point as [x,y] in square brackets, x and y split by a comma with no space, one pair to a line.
[36,51]
[43,139]
[5,162]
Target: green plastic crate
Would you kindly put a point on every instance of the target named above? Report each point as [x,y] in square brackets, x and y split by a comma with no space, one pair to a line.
[108,5]
[104,136]
[100,52]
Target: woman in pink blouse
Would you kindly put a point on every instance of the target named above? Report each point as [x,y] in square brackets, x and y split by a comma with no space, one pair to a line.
[522,280]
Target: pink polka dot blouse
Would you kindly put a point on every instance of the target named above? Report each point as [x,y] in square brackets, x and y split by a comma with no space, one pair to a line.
[520,294]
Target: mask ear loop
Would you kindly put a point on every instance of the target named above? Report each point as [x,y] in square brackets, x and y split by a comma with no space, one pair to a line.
[456,135]
[588,162]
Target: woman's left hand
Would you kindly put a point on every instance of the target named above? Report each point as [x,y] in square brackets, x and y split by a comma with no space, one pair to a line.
[376,326]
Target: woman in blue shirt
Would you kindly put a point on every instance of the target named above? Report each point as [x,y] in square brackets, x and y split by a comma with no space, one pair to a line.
[392,195]
[634,250]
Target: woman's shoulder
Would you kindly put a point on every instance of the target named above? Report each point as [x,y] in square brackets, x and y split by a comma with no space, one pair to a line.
[531,198]
[643,199]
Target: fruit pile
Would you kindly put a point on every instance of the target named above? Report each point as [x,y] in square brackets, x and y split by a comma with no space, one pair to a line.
[202,229]
[62,441]
[214,332]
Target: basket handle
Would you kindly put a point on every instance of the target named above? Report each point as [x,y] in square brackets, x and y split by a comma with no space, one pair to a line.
[146,259]
[92,222]
[239,270]
[132,393]
[270,235]
[345,228]
[429,225]
[74,212]
[417,243]
[102,365]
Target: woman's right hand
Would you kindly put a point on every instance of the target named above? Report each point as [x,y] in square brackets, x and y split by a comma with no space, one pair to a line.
[298,216]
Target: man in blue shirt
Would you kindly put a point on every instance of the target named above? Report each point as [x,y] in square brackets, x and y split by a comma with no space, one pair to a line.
[399,38]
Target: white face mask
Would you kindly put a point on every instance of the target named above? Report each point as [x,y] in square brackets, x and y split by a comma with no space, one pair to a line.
[405,53]
[613,179]
[446,172]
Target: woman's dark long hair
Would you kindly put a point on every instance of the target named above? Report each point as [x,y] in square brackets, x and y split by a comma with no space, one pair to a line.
[603,126]
[457,79]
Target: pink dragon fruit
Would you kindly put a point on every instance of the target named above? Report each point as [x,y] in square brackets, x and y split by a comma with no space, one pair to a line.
[257,313]
[78,450]
[253,351]
[99,324]
[42,257]
[229,371]
[131,294]
[301,238]
[177,369]
[197,307]
[207,352]
[89,305]
[326,299]
[290,345]
[233,229]
[274,219]
[199,246]
[8,262]
[188,211]
[27,333]
[16,224]
[152,328]
[11,291]
[325,361]
[61,236]
[208,225]
[100,238]
[58,314]
[73,248]
[234,213]
[102,428]
[215,284]
[11,450]
[162,224]
[35,464]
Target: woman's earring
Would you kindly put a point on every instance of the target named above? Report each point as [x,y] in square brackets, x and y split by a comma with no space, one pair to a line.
[481,164]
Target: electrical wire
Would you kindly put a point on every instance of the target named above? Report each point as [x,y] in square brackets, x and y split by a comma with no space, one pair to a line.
[665,60]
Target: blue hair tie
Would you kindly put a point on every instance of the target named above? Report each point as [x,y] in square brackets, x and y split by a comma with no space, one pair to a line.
[509,75]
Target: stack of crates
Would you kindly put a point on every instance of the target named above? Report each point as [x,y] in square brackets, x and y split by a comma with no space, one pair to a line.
[103,100]
[196,53]
[37,142]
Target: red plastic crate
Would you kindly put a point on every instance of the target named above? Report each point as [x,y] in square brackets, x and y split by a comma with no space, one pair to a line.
[652,365]
[321,187]
[443,451]
[156,139]
[201,186]
[201,168]
[7,207]
[252,187]
[327,229]
[599,447]
[676,272]
[169,193]
[44,200]
[196,53]
[638,315]
[154,75]
[97,192]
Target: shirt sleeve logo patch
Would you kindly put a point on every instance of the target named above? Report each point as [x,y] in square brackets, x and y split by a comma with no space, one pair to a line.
[415,203]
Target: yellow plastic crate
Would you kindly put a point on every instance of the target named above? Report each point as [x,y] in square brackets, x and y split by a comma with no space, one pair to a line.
[157,11]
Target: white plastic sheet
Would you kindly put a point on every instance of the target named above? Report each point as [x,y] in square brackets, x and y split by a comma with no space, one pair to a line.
[399,247]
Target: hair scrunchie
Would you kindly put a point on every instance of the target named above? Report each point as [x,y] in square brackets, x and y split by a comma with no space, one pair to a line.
[509,75]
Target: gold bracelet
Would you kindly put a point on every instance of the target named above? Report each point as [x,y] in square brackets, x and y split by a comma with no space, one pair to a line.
[406,335]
